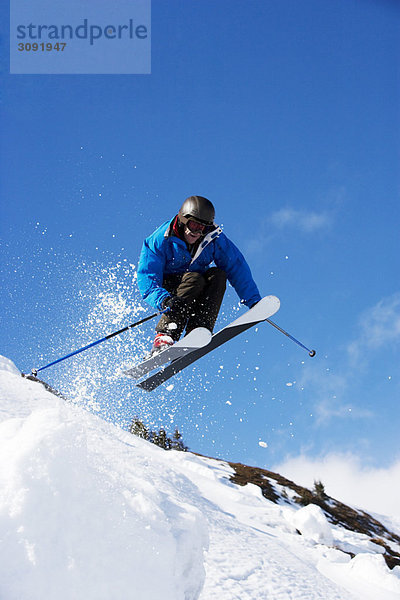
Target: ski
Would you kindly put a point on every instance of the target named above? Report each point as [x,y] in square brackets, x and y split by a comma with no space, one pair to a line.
[197,338]
[264,309]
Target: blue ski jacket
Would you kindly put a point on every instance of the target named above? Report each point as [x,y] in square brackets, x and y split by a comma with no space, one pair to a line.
[164,253]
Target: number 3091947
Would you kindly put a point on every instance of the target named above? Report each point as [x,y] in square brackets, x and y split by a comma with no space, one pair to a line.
[41,47]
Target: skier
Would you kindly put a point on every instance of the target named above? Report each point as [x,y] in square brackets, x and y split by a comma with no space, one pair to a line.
[175,272]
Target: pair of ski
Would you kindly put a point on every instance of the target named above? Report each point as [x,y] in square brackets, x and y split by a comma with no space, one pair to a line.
[196,344]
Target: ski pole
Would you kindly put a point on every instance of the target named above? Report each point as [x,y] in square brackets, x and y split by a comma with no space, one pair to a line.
[310,352]
[103,339]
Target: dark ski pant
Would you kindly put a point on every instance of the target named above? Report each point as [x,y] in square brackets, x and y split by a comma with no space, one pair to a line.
[203,293]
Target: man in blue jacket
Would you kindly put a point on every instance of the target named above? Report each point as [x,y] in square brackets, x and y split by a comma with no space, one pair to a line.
[184,266]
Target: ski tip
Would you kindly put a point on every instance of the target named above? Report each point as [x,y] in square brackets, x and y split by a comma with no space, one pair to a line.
[272,301]
[265,308]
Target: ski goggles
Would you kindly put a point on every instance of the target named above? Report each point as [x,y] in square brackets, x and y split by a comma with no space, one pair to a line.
[195,226]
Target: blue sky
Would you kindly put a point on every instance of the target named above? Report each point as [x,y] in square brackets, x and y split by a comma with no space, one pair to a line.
[286,115]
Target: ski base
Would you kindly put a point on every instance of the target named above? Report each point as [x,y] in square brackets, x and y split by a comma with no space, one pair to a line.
[264,309]
[197,338]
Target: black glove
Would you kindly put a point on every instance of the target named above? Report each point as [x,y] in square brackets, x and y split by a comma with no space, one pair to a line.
[175,303]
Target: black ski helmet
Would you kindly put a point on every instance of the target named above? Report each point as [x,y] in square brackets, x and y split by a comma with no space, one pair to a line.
[198,209]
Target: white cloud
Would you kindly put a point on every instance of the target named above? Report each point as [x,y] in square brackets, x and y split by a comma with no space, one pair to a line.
[328,409]
[308,222]
[330,393]
[333,392]
[379,325]
[346,478]
[303,221]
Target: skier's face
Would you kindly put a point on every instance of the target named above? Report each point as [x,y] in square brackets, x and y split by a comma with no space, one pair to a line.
[193,231]
[190,236]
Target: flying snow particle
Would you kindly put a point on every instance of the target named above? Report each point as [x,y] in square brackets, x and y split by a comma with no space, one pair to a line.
[170,387]
[289,384]
[263,444]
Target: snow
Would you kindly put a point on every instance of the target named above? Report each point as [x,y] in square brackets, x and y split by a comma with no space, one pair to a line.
[313,524]
[364,574]
[90,511]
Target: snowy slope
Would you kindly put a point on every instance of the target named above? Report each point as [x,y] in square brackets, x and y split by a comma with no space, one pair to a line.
[89,511]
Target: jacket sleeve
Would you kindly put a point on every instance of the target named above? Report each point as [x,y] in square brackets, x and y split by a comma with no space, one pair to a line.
[229,258]
[150,274]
